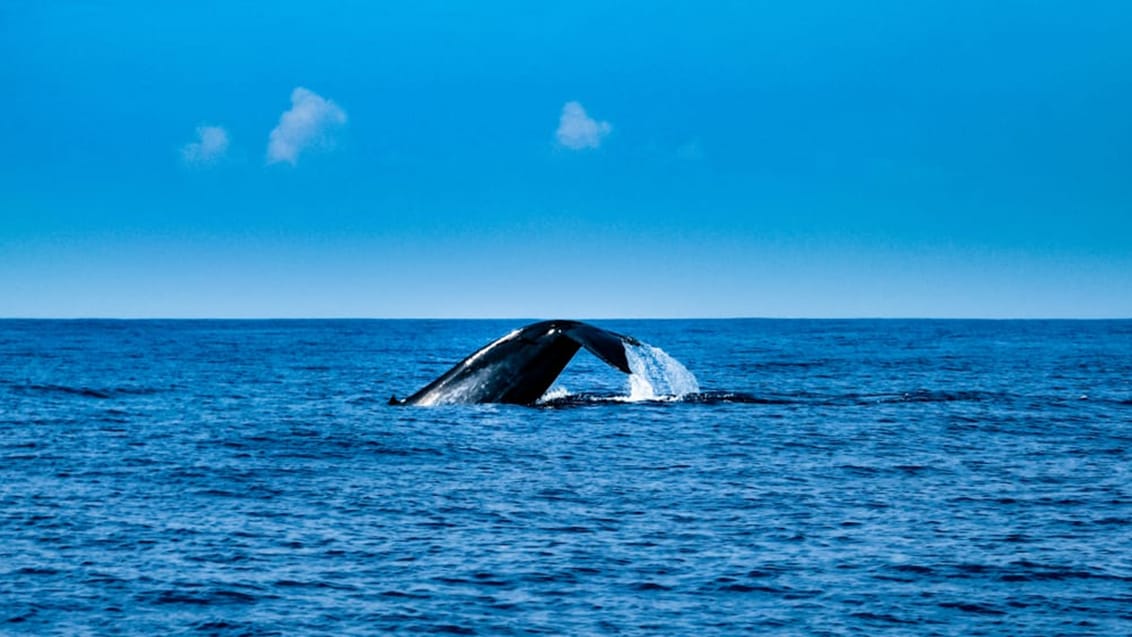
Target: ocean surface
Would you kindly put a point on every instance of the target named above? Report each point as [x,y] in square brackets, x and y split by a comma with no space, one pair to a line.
[831,478]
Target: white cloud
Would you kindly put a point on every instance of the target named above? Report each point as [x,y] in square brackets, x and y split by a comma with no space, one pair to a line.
[308,124]
[577,131]
[211,146]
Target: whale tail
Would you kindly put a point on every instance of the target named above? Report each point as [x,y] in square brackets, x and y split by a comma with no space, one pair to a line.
[606,345]
[519,367]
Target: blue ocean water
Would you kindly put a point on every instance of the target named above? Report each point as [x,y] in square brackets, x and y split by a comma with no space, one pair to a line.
[248,478]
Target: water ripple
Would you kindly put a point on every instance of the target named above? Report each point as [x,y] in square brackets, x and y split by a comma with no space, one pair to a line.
[829,478]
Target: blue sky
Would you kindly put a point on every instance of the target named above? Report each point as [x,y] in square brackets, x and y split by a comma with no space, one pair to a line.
[578,159]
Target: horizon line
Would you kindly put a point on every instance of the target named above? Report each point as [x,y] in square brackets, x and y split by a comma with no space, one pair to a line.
[589,318]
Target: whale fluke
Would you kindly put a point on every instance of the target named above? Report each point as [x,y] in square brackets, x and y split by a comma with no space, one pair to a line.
[521,366]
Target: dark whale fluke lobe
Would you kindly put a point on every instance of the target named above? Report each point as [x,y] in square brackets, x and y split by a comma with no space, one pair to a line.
[521,366]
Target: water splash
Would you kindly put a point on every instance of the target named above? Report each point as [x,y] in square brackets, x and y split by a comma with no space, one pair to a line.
[556,392]
[656,375]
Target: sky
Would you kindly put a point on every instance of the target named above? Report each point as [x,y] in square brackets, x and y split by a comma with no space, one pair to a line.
[818,158]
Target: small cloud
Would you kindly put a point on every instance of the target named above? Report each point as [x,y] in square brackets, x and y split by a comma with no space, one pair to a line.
[308,124]
[211,146]
[577,131]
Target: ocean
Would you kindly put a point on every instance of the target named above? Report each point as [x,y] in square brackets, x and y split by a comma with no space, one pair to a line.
[857,477]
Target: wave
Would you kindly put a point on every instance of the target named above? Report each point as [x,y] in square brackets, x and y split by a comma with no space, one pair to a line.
[85,392]
[924,396]
[559,397]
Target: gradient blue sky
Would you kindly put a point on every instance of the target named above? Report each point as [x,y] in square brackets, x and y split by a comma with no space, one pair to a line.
[812,158]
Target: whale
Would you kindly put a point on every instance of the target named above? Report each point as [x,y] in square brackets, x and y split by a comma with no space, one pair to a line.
[518,368]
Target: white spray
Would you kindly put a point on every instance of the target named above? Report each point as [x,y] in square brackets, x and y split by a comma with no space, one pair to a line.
[657,375]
